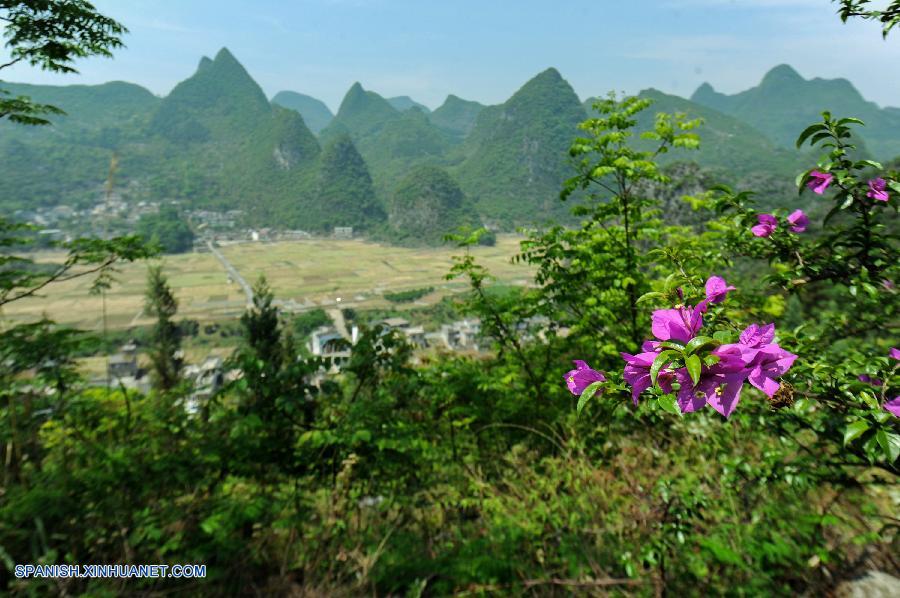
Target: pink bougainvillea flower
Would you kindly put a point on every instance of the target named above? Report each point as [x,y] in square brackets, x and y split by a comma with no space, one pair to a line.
[753,339]
[720,390]
[869,380]
[727,394]
[767,225]
[878,190]
[637,373]
[894,353]
[756,335]
[719,385]
[679,324]
[582,377]
[819,181]
[771,362]
[893,406]
[717,289]
[798,220]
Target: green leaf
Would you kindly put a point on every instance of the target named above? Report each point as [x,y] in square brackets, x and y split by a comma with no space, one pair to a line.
[649,296]
[890,445]
[871,163]
[669,403]
[848,120]
[711,360]
[697,342]
[854,431]
[723,336]
[808,131]
[672,345]
[658,363]
[588,394]
[693,365]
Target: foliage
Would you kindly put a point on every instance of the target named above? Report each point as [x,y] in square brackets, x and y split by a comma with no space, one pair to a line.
[168,229]
[306,322]
[425,206]
[399,472]
[51,34]
[408,296]
[889,17]
[85,257]
[165,340]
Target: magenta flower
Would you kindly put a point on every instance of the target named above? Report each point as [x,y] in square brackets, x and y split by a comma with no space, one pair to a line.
[721,391]
[878,190]
[755,335]
[767,225]
[718,386]
[888,284]
[771,362]
[582,377]
[893,406]
[753,339]
[798,220]
[763,360]
[717,289]
[819,181]
[637,373]
[679,324]
[894,353]
[869,380]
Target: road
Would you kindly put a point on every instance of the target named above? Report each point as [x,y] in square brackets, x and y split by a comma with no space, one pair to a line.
[233,273]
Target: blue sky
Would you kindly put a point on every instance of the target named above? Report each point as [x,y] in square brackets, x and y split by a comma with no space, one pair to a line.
[486,49]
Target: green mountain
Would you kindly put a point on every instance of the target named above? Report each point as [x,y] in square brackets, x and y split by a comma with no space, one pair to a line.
[456,115]
[784,103]
[88,107]
[516,155]
[315,113]
[427,204]
[215,141]
[220,100]
[67,161]
[343,191]
[361,113]
[390,141]
[726,143]
[402,103]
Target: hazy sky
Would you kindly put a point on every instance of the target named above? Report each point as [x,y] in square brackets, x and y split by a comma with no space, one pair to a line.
[486,49]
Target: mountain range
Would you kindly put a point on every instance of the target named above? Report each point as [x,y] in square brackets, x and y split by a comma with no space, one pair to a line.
[216,141]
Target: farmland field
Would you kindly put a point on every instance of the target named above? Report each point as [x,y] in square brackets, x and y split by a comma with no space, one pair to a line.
[302,274]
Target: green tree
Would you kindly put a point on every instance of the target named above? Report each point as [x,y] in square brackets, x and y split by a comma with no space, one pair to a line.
[165,339]
[889,17]
[51,34]
[168,229]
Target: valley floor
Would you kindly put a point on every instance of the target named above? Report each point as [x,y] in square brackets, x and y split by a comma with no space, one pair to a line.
[303,275]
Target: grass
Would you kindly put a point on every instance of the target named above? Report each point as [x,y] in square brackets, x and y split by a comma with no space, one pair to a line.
[310,273]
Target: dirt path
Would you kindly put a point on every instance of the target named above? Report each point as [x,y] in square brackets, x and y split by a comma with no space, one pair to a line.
[337,318]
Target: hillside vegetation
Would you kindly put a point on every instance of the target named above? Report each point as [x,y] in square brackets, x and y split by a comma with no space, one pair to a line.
[216,142]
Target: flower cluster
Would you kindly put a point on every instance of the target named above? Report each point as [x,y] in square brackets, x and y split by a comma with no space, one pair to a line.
[702,370]
[819,182]
[894,404]
[797,223]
